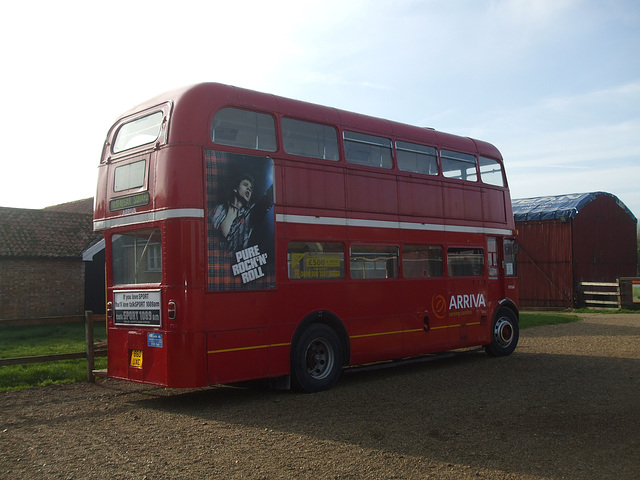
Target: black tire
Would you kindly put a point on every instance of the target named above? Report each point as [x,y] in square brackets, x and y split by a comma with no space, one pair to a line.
[505,333]
[316,359]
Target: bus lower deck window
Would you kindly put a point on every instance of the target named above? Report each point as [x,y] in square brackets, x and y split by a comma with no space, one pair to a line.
[465,262]
[374,261]
[419,261]
[315,260]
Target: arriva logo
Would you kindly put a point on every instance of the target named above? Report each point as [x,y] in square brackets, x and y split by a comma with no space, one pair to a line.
[456,302]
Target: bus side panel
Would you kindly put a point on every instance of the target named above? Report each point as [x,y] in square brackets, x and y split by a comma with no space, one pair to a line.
[418,198]
[462,202]
[188,366]
[361,198]
[426,328]
[375,321]
[494,205]
[237,355]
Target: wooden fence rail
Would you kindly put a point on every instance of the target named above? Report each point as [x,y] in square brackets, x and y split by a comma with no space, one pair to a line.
[93,350]
[618,294]
[601,294]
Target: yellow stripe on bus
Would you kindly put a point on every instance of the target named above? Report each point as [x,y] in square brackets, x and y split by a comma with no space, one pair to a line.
[252,347]
[454,326]
[376,334]
[364,335]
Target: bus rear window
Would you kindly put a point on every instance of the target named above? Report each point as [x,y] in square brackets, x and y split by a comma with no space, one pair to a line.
[137,257]
[140,131]
[129,176]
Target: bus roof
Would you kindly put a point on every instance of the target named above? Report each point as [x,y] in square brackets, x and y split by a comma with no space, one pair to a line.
[195,105]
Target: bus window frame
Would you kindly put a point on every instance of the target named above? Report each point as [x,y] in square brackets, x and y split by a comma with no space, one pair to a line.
[161,139]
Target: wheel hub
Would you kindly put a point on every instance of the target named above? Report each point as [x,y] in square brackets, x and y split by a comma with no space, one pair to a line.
[503,332]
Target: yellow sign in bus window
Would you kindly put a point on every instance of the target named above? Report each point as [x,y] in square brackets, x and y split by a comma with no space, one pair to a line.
[315,261]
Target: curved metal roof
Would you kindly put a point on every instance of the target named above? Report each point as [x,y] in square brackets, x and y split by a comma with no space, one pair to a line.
[558,206]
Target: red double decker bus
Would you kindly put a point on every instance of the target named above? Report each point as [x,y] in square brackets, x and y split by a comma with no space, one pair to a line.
[253,236]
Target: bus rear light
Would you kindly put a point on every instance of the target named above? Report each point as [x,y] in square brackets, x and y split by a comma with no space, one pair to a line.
[172,310]
[109,309]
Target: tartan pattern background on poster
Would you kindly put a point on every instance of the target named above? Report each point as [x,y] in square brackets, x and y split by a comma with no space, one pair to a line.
[221,169]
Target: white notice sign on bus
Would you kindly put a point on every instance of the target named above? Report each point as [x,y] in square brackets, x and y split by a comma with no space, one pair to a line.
[139,307]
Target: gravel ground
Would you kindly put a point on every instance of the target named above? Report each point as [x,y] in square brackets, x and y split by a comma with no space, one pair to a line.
[566,404]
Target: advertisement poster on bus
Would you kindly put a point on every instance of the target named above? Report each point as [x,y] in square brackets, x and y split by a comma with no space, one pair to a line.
[240,221]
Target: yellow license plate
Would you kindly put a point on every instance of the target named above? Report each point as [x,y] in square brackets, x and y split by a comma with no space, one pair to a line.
[136,358]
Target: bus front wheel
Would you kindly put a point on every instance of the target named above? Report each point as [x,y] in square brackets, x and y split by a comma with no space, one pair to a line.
[504,334]
[316,360]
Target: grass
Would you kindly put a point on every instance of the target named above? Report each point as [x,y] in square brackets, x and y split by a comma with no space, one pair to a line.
[605,311]
[529,319]
[70,337]
[36,340]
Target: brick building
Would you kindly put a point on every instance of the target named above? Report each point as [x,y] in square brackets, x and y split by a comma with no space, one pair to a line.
[42,273]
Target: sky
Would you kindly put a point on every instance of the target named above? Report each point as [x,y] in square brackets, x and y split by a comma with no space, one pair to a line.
[554,84]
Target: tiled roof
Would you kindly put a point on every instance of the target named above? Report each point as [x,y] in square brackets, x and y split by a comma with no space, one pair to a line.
[44,233]
[79,206]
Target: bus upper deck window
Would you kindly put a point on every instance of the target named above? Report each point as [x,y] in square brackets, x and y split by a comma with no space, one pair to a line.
[459,165]
[491,172]
[309,139]
[141,131]
[417,158]
[243,128]
[369,150]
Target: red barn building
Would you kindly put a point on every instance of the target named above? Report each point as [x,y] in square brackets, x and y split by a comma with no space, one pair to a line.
[567,239]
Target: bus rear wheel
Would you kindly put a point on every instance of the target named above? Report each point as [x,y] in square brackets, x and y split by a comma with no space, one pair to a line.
[504,334]
[316,360]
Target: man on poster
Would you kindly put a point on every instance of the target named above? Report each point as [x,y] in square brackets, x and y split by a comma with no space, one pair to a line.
[241,226]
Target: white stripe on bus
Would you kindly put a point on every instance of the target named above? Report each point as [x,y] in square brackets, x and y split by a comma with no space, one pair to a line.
[357,222]
[148,217]
[299,219]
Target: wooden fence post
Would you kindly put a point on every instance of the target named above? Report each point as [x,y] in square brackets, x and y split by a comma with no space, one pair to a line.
[88,329]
